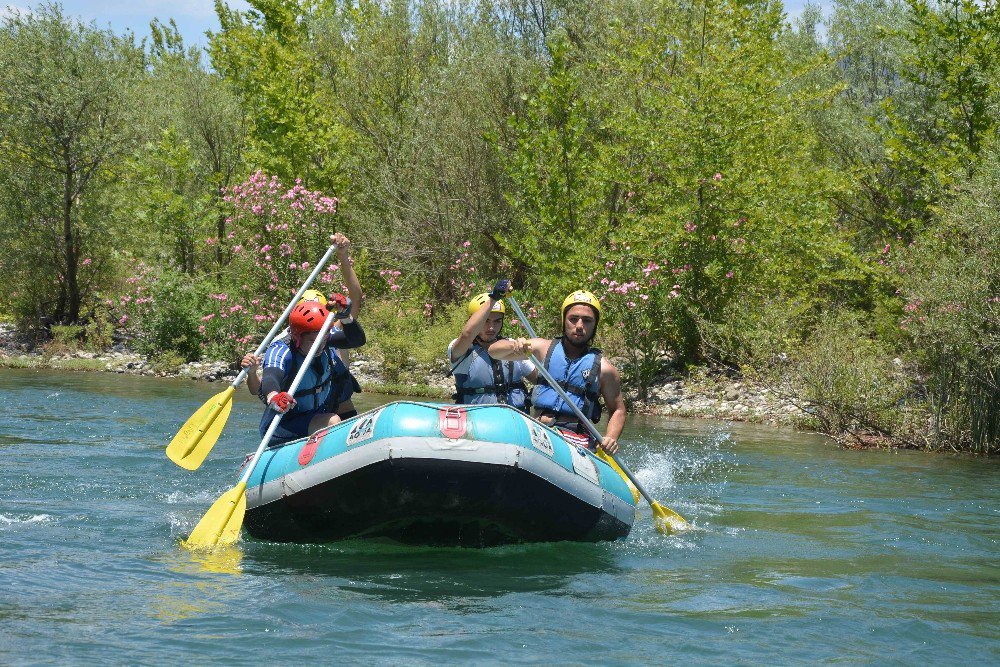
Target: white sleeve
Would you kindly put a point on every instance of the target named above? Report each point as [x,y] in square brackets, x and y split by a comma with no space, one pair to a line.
[460,365]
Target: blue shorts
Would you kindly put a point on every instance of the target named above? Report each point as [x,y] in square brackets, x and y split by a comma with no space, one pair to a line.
[291,427]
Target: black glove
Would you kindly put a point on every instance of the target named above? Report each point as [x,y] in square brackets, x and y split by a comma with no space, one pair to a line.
[501,289]
[342,304]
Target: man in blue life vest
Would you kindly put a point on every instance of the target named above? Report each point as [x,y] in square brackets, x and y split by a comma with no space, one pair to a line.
[345,406]
[581,370]
[480,379]
[326,384]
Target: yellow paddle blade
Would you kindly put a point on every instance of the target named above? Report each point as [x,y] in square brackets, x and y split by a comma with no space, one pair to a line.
[601,454]
[201,431]
[667,520]
[222,522]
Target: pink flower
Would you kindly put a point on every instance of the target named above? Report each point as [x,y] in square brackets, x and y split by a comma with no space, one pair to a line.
[690,226]
[729,274]
[717,177]
[85,262]
[123,319]
[467,244]
[208,317]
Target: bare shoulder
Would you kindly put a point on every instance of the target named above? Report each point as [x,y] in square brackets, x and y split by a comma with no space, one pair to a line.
[608,370]
[540,346]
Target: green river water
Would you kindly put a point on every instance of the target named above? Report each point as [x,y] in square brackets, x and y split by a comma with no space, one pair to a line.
[801,553]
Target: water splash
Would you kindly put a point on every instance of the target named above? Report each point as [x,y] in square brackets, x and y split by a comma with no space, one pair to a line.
[24,519]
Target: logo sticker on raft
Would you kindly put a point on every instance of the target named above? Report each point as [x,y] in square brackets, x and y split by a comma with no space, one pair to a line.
[584,466]
[363,429]
[539,437]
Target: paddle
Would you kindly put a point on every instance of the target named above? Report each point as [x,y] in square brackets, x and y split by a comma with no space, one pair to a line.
[200,432]
[222,522]
[664,518]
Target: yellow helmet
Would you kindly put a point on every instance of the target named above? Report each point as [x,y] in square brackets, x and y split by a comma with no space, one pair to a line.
[478,301]
[584,297]
[313,295]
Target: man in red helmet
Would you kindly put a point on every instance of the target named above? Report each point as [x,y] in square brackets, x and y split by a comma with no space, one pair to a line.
[327,381]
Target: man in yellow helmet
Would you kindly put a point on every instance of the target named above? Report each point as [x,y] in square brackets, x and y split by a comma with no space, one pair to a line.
[480,379]
[582,372]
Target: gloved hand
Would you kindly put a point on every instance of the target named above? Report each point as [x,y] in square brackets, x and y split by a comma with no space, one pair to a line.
[340,305]
[282,402]
[501,289]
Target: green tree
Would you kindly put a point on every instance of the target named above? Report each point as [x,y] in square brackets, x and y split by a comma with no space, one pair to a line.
[268,55]
[936,134]
[556,195]
[71,119]
[717,165]
[198,153]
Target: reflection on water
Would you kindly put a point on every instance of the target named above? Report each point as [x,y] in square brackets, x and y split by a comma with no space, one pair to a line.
[399,573]
[193,589]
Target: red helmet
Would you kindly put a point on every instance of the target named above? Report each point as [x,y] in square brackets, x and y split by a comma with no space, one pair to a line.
[307,316]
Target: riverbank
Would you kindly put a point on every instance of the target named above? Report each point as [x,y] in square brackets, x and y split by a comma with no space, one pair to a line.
[702,395]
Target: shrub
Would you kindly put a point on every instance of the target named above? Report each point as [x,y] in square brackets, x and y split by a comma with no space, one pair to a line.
[848,380]
[951,320]
[67,336]
[163,312]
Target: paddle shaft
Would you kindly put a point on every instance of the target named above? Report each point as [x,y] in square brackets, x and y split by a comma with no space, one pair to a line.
[576,409]
[317,344]
[280,322]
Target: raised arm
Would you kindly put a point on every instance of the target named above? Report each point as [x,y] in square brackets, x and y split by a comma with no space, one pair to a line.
[347,270]
[349,337]
[473,327]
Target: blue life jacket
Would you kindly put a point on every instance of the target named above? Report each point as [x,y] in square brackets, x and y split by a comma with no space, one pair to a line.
[579,378]
[326,384]
[489,380]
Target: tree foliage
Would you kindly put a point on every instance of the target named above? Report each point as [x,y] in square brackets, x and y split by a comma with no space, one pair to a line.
[737,188]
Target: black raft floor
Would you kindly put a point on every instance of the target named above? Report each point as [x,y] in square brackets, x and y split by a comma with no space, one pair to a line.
[434,502]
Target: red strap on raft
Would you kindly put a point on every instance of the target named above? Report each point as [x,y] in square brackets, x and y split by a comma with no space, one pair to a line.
[308,450]
[452,422]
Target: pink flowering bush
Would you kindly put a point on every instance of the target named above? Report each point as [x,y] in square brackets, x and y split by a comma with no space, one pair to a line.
[276,234]
[465,281]
[643,301]
[161,311]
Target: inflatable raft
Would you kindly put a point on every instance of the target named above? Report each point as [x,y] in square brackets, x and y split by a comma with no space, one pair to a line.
[470,475]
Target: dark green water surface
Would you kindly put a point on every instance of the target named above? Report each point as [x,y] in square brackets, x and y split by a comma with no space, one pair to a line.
[801,553]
